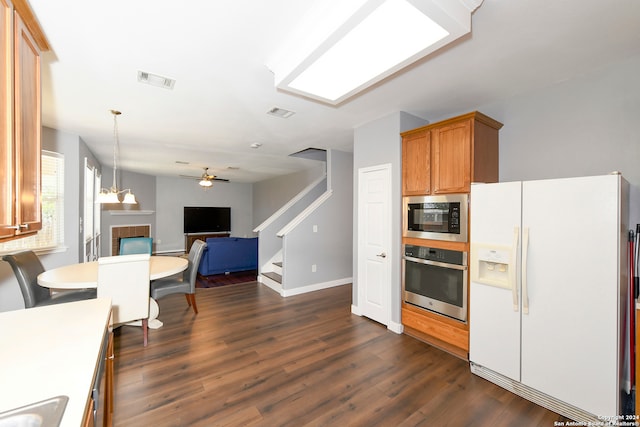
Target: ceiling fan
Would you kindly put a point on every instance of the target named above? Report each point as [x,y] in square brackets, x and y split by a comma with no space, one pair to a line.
[205,180]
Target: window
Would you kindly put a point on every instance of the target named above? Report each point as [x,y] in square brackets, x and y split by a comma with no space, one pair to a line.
[51,236]
[92,183]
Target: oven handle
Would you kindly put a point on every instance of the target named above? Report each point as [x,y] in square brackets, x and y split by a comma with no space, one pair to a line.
[436,263]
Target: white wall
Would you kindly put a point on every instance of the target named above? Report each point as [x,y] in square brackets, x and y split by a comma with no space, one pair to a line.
[144,189]
[271,194]
[173,194]
[74,151]
[584,126]
[377,143]
[330,247]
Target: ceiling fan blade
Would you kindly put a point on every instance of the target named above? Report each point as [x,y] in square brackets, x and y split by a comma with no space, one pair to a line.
[200,178]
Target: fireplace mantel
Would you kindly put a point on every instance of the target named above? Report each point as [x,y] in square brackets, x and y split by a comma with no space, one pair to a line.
[123,212]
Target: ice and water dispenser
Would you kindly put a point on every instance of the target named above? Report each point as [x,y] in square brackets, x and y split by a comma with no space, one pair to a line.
[492,265]
[495,265]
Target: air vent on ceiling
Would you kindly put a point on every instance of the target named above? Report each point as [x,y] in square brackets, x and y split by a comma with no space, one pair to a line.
[280,112]
[155,80]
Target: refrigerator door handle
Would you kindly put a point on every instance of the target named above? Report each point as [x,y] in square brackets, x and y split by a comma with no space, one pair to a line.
[512,271]
[525,252]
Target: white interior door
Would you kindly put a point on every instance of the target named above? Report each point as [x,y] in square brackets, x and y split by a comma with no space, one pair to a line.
[374,243]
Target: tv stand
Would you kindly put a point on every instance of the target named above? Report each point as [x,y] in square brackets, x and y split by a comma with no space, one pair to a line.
[189,238]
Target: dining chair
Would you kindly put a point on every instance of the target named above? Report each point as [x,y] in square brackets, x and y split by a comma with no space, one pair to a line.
[27,266]
[125,279]
[186,284]
[136,245]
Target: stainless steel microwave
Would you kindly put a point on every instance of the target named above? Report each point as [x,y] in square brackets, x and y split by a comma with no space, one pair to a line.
[440,217]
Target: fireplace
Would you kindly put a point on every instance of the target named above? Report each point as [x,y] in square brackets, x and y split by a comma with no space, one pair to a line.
[121,231]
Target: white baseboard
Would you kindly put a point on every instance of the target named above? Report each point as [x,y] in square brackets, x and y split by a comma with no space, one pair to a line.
[275,286]
[356,310]
[395,327]
[392,326]
[316,287]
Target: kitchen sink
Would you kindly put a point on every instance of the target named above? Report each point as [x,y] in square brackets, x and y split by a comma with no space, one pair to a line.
[47,413]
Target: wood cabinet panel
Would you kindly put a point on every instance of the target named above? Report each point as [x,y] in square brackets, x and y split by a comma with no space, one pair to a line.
[416,162]
[446,157]
[7,214]
[20,120]
[452,158]
[27,130]
[438,330]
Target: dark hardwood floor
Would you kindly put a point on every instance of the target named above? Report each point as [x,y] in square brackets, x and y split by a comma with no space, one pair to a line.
[252,358]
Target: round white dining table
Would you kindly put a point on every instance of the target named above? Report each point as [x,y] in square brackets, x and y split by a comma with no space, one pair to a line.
[85,275]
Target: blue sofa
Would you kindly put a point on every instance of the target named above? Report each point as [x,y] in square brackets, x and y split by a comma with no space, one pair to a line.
[229,254]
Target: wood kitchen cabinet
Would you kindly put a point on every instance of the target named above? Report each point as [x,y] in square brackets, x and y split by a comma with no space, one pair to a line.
[20,141]
[445,157]
[416,164]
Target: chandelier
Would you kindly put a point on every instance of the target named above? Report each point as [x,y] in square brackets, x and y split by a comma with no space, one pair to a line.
[111,195]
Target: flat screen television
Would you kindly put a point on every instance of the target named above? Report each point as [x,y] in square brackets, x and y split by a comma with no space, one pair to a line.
[206,219]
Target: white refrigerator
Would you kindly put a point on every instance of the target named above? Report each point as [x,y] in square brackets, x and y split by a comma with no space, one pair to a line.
[548,291]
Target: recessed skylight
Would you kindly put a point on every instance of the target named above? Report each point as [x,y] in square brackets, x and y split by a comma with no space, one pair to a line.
[392,33]
[335,61]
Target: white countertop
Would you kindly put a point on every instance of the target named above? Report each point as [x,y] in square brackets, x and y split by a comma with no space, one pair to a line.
[51,351]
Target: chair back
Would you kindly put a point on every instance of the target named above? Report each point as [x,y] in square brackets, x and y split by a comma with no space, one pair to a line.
[125,279]
[27,266]
[136,245]
[195,254]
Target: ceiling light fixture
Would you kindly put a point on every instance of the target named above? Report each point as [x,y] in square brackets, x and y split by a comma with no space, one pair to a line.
[206,180]
[156,80]
[205,183]
[379,39]
[111,195]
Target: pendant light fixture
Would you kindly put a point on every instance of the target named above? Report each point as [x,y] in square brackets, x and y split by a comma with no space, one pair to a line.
[111,195]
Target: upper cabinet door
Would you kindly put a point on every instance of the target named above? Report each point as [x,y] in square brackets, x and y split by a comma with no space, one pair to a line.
[27,129]
[7,188]
[416,164]
[452,158]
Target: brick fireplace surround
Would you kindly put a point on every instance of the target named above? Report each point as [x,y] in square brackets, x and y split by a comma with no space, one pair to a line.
[120,231]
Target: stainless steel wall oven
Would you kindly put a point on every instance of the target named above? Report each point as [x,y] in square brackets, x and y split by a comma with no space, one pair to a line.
[436,280]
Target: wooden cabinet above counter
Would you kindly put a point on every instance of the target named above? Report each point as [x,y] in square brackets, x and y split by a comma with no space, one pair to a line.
[445,157]
[21,42]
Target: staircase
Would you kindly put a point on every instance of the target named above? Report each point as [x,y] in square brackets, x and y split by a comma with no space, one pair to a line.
[311,234]
[273,278]
[270,243]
